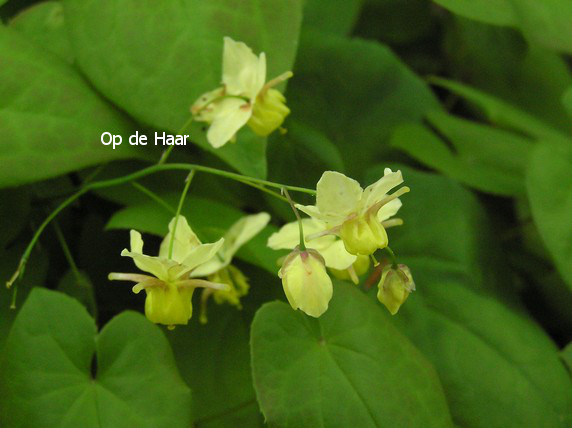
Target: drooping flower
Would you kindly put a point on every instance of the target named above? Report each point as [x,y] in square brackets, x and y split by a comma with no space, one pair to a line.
[243,99]
[306,283]
[330,247]
[219,268]
[394,287]
[169,288]
[359,217]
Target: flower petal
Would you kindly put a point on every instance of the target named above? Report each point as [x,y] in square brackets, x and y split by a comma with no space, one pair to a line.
[243,73]
[377,191]
[201,254]
[185,240]
[156,266]
[239,233]
[337,194]
[336,256]
[229,116]
[389,210]
[289,236]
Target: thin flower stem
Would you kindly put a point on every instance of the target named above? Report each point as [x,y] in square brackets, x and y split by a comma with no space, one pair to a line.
[179,208]
[181,131]
[127,179]
[265,190]
[67,252]
[298,218]
[392,257]
[153,196]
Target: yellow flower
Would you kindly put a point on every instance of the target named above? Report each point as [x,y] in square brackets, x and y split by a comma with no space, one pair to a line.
[358,216]
[244,97]
[330,247]
[306,283]
[394,287]
[219,270]
[169,288]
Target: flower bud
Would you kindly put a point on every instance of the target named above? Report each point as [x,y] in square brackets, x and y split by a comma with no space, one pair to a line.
[168,305]
[363,235]
[394,287]
[268,113]
[306,283]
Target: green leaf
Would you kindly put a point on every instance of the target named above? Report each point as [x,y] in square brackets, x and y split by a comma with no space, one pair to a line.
[549,185]
[498,367]
[50,119]
[14,211]
[350,367]
[567,101]
[151,218]
[544,22]
[497,12]
[47,375]
[389,21]
[334,16]
[500,112]
[214,360]
[355,92]
[488,159]
[498,60]
[566,356]
[43,24]
[163,56]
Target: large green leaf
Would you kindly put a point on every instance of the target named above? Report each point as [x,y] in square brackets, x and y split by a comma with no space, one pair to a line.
[154,59]
[355,92]
[489,159]
[545,22]
[43,24]
[549,185]
[214,359]
[58,371]
[50,119]
[350,367]
[566,356]
[335,16]
[498,60]
[498,12]
[501,113]
[567,101]
[485,352]
[151,218]
[498,368]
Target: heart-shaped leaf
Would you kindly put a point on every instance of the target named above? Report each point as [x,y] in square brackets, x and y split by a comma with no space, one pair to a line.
[58,371]
[350,367]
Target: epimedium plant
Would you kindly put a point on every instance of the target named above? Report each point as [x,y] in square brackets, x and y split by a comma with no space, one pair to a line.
[344,340]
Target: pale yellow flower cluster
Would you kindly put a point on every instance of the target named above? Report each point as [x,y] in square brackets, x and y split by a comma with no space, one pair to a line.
[347,225]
